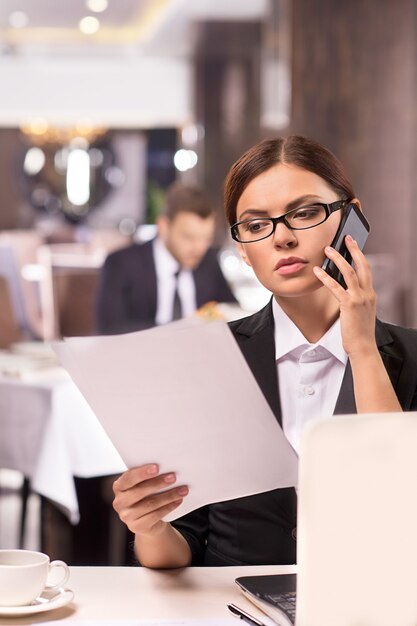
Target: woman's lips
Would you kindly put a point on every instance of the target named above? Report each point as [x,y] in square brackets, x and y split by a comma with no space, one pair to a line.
[292,265]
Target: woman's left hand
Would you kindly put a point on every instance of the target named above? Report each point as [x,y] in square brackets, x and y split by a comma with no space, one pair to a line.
[357,302]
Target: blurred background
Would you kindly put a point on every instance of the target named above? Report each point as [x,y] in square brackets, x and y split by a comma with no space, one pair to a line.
[104,103]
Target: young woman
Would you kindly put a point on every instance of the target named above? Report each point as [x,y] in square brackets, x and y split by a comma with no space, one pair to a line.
[315,349]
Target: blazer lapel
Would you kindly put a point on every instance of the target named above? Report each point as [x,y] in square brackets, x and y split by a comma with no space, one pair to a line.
[346,400]
[392,360]
[255,336]
[148,280]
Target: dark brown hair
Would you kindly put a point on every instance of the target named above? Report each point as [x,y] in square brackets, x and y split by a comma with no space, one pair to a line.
[186,198]
[295,150]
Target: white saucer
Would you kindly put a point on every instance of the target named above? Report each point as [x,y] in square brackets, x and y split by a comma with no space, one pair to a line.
[48,600]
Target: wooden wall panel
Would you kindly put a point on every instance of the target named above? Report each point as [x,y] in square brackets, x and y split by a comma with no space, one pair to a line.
[354,89]
[11,199]
[227,98]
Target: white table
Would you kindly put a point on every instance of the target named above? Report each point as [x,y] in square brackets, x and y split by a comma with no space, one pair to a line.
[136,593]
[49,433]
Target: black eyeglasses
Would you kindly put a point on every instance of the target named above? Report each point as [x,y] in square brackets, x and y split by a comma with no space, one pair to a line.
[302,218]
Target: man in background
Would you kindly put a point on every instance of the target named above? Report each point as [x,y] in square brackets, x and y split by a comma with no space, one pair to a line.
[169,277]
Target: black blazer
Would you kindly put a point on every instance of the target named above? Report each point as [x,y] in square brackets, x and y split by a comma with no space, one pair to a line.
[127,291]
[261,529]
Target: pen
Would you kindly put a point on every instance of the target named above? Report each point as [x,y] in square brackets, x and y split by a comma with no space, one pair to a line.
[241,614]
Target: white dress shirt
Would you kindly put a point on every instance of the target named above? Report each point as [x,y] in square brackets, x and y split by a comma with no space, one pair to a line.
[166,268]
[309,375]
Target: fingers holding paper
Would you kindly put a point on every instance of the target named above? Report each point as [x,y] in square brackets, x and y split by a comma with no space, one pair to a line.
[143,497]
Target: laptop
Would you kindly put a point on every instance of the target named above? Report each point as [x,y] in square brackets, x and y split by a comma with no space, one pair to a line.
[357,527]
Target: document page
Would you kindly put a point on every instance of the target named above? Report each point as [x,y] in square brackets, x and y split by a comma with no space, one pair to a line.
[183,396]
[196,621]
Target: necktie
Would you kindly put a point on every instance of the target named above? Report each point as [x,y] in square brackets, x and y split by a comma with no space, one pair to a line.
[176,307]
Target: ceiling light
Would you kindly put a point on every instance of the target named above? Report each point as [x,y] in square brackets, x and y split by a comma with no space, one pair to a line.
[36,127]
[78,177]
[191,134]
[34,161]
[97,6]
[185,159]
[89,25]
[18,19]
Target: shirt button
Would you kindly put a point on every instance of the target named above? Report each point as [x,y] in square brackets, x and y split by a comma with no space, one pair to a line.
[312,353]
[309,390]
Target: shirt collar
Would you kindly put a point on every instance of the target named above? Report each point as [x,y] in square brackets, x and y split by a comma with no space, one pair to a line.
[165,263]
[288,336]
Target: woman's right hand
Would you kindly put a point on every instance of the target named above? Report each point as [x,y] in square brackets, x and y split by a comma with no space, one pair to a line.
[143,498]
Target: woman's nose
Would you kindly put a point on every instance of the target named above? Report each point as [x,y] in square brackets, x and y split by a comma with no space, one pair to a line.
[284,237]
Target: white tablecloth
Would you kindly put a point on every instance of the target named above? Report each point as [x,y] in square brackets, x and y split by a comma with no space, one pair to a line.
[49,433]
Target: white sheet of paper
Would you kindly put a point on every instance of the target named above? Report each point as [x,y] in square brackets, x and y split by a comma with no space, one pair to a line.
[222,621]
[183,396]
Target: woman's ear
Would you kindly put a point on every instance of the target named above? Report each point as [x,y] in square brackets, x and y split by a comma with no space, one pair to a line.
[243,254]
[357,202]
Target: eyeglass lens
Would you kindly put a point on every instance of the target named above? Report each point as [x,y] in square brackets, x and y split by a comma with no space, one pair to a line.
[259,228]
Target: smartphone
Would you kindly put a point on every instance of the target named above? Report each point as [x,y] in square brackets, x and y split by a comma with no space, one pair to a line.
[354,223]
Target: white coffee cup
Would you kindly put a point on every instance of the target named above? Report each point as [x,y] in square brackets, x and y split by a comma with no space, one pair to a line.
[24,575]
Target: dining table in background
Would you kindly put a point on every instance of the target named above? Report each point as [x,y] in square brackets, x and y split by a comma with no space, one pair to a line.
[49,433]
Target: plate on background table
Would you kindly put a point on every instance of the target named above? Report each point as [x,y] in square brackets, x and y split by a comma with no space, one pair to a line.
[35,349]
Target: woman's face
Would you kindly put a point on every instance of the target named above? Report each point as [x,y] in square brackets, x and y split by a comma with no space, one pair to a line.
[284,261]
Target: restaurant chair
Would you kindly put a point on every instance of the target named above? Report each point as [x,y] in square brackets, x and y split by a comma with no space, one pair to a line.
[18,250]
[70,278]
[9,328]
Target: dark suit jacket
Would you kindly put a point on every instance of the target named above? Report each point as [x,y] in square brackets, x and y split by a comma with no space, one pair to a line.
[127,292]
[260,529]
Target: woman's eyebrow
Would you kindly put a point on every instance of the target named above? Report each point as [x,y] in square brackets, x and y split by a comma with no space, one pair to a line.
[302,200]
[291,205]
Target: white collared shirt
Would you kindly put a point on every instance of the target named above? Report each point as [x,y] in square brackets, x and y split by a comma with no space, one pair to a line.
[310,375]
[166,268]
